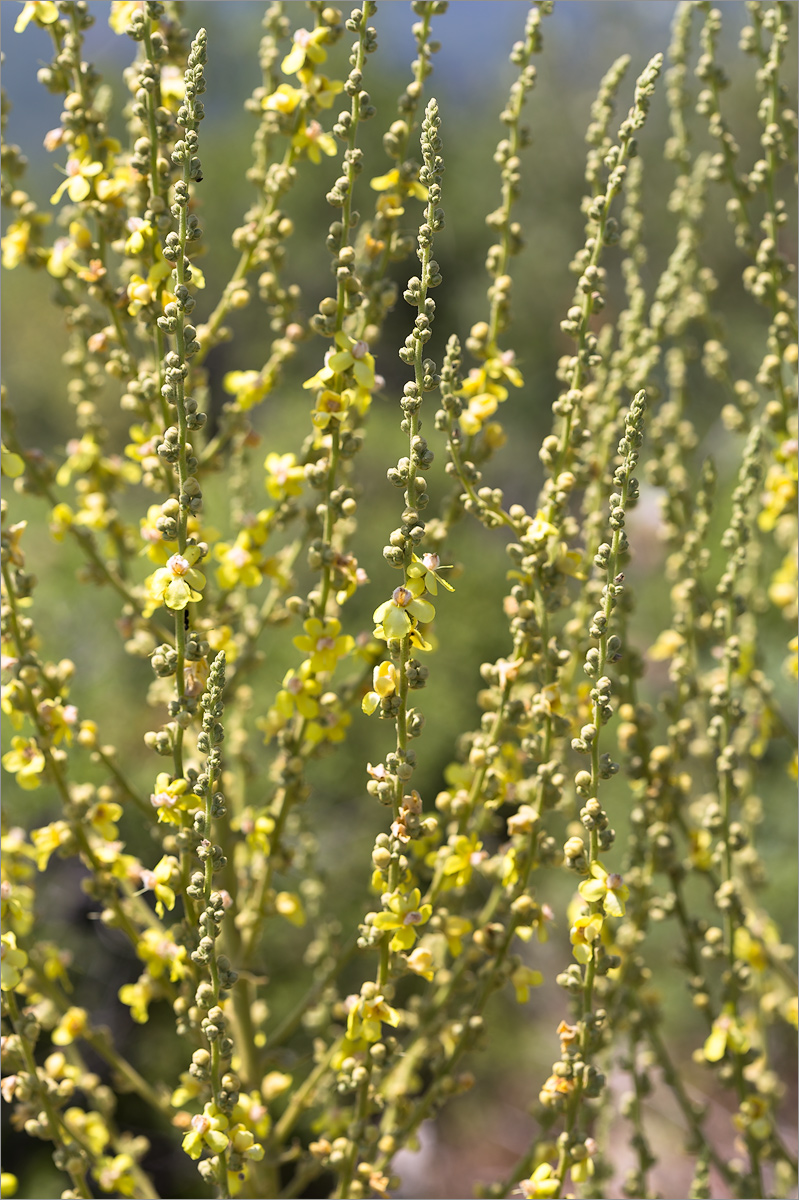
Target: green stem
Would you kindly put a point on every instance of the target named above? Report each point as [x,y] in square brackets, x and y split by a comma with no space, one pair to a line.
[303,1096]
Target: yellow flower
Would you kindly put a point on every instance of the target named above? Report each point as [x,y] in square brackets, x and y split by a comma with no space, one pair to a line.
[498,367]
[752,950]
[701,852]
[73,1024]
[121,13]
[351,577]
[583,934]
[238,564]
[330,406]
[47,839]
[171,798]
[322,641]
[404,914]
[523,820]
[222,638]
[8,1184]
[389,206]
[607,888]
[510,872]
[542,1183]
[299,693]
[14,702]
[324,375]
[151,535]
[173,86]
[26,761]
[353,356]
[384,682]
[61,520]
[251,1111]
[322,89]
[118,185]
[159,881]
[782,590]
[243,1142]
[12,465]
[178,583]
[523,978]
[143,450]
[365,1017]
[289,905]
[397,617]
[727,1033]
[553,1090]
[89,1127]
[62,258]
[117,1174]
[14,535]
[158,952]
[189,1089]
[582,1169]
[141,235]
[494,436]
[101,818]
[284,476]
[792,661]
[207,1129]
[16,242]
[779,494]
[455,930]
[420,961]
[54,964]
[753,1117]
[393,180]
[462,856]
[93,273]
[16,906]
[274,1084]
[307,51]
[12,962]
[541,529]
[313,142]
[249,387]
[137,997]
[78,182]
[43,12]
[94,512]
[139,294]
[426,568]
[59,719]
[257,829]
[478,410]
[330,724]
[284,99]
[666,646]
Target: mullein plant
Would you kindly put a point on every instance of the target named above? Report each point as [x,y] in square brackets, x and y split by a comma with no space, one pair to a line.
[592,719]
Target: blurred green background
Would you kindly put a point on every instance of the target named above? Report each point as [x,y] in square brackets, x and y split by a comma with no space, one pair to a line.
[475,1138]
